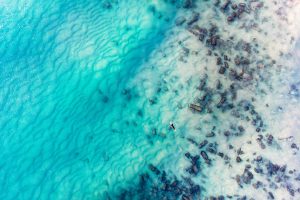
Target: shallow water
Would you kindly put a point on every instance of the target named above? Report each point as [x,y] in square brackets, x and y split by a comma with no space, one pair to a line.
[68,130]
[89,89]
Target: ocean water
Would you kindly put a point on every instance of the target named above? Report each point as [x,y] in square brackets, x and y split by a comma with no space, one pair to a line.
[70,129]
[89,91]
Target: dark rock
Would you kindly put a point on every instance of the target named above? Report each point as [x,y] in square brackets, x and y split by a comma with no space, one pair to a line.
[240,151]
[185,197]
[247,176]
[271,195]
[105,99]
[143,180]
[107,5]
[258,170]
[290,190]
[213,30]
[240,12]
[188,155]
[234,6]
[213,40]
[205,156]
[270,139]
[227,133]
[219,61]
[203,144]
[195,17]
[216,2]
[257,184]
[206,98]
[202,83]
[225,5]
[153,101]
[211,134]
[163,177]
[174,183]
[219,85]
[194,32]
[258,159]
[272,168]
[241,128]
[221,197]
[203,31]
[194,190]
[154,169]
[247,47]
[238,159]
[226,65]
[164,187]
[192,141]
[282,168]
[242,5]
[242,198]
[179,21]
[226,157]
[253,112]
[201,37]
[262,145]
[187,3]
[195,159]
[237,60]
[294,90]
[233,75]
[245,61]
[277,179]
[230,18]
[211,150]
[248,166]
[294,146]
[238,180]
[234,14]
[195,107]
[195,169]
[222,70]
[260,137]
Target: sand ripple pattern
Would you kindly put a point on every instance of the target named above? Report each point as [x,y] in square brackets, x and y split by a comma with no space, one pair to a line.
[69,127]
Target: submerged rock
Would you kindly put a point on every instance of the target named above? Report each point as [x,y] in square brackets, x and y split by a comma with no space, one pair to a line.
[188,3]
[154,169]
[205,157]
[195,107]
[180,20]
[195,17]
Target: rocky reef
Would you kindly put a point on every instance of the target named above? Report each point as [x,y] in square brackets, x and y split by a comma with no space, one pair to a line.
[227,72]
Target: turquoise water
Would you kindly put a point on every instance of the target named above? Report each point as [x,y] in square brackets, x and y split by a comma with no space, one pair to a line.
[70,129]
[149,100]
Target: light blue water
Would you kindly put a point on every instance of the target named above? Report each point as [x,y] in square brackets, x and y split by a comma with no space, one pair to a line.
[68,127]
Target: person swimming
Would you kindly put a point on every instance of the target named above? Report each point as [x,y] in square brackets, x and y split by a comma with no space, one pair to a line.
[172,126]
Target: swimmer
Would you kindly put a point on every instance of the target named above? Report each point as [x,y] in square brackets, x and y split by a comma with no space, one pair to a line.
[172,126]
